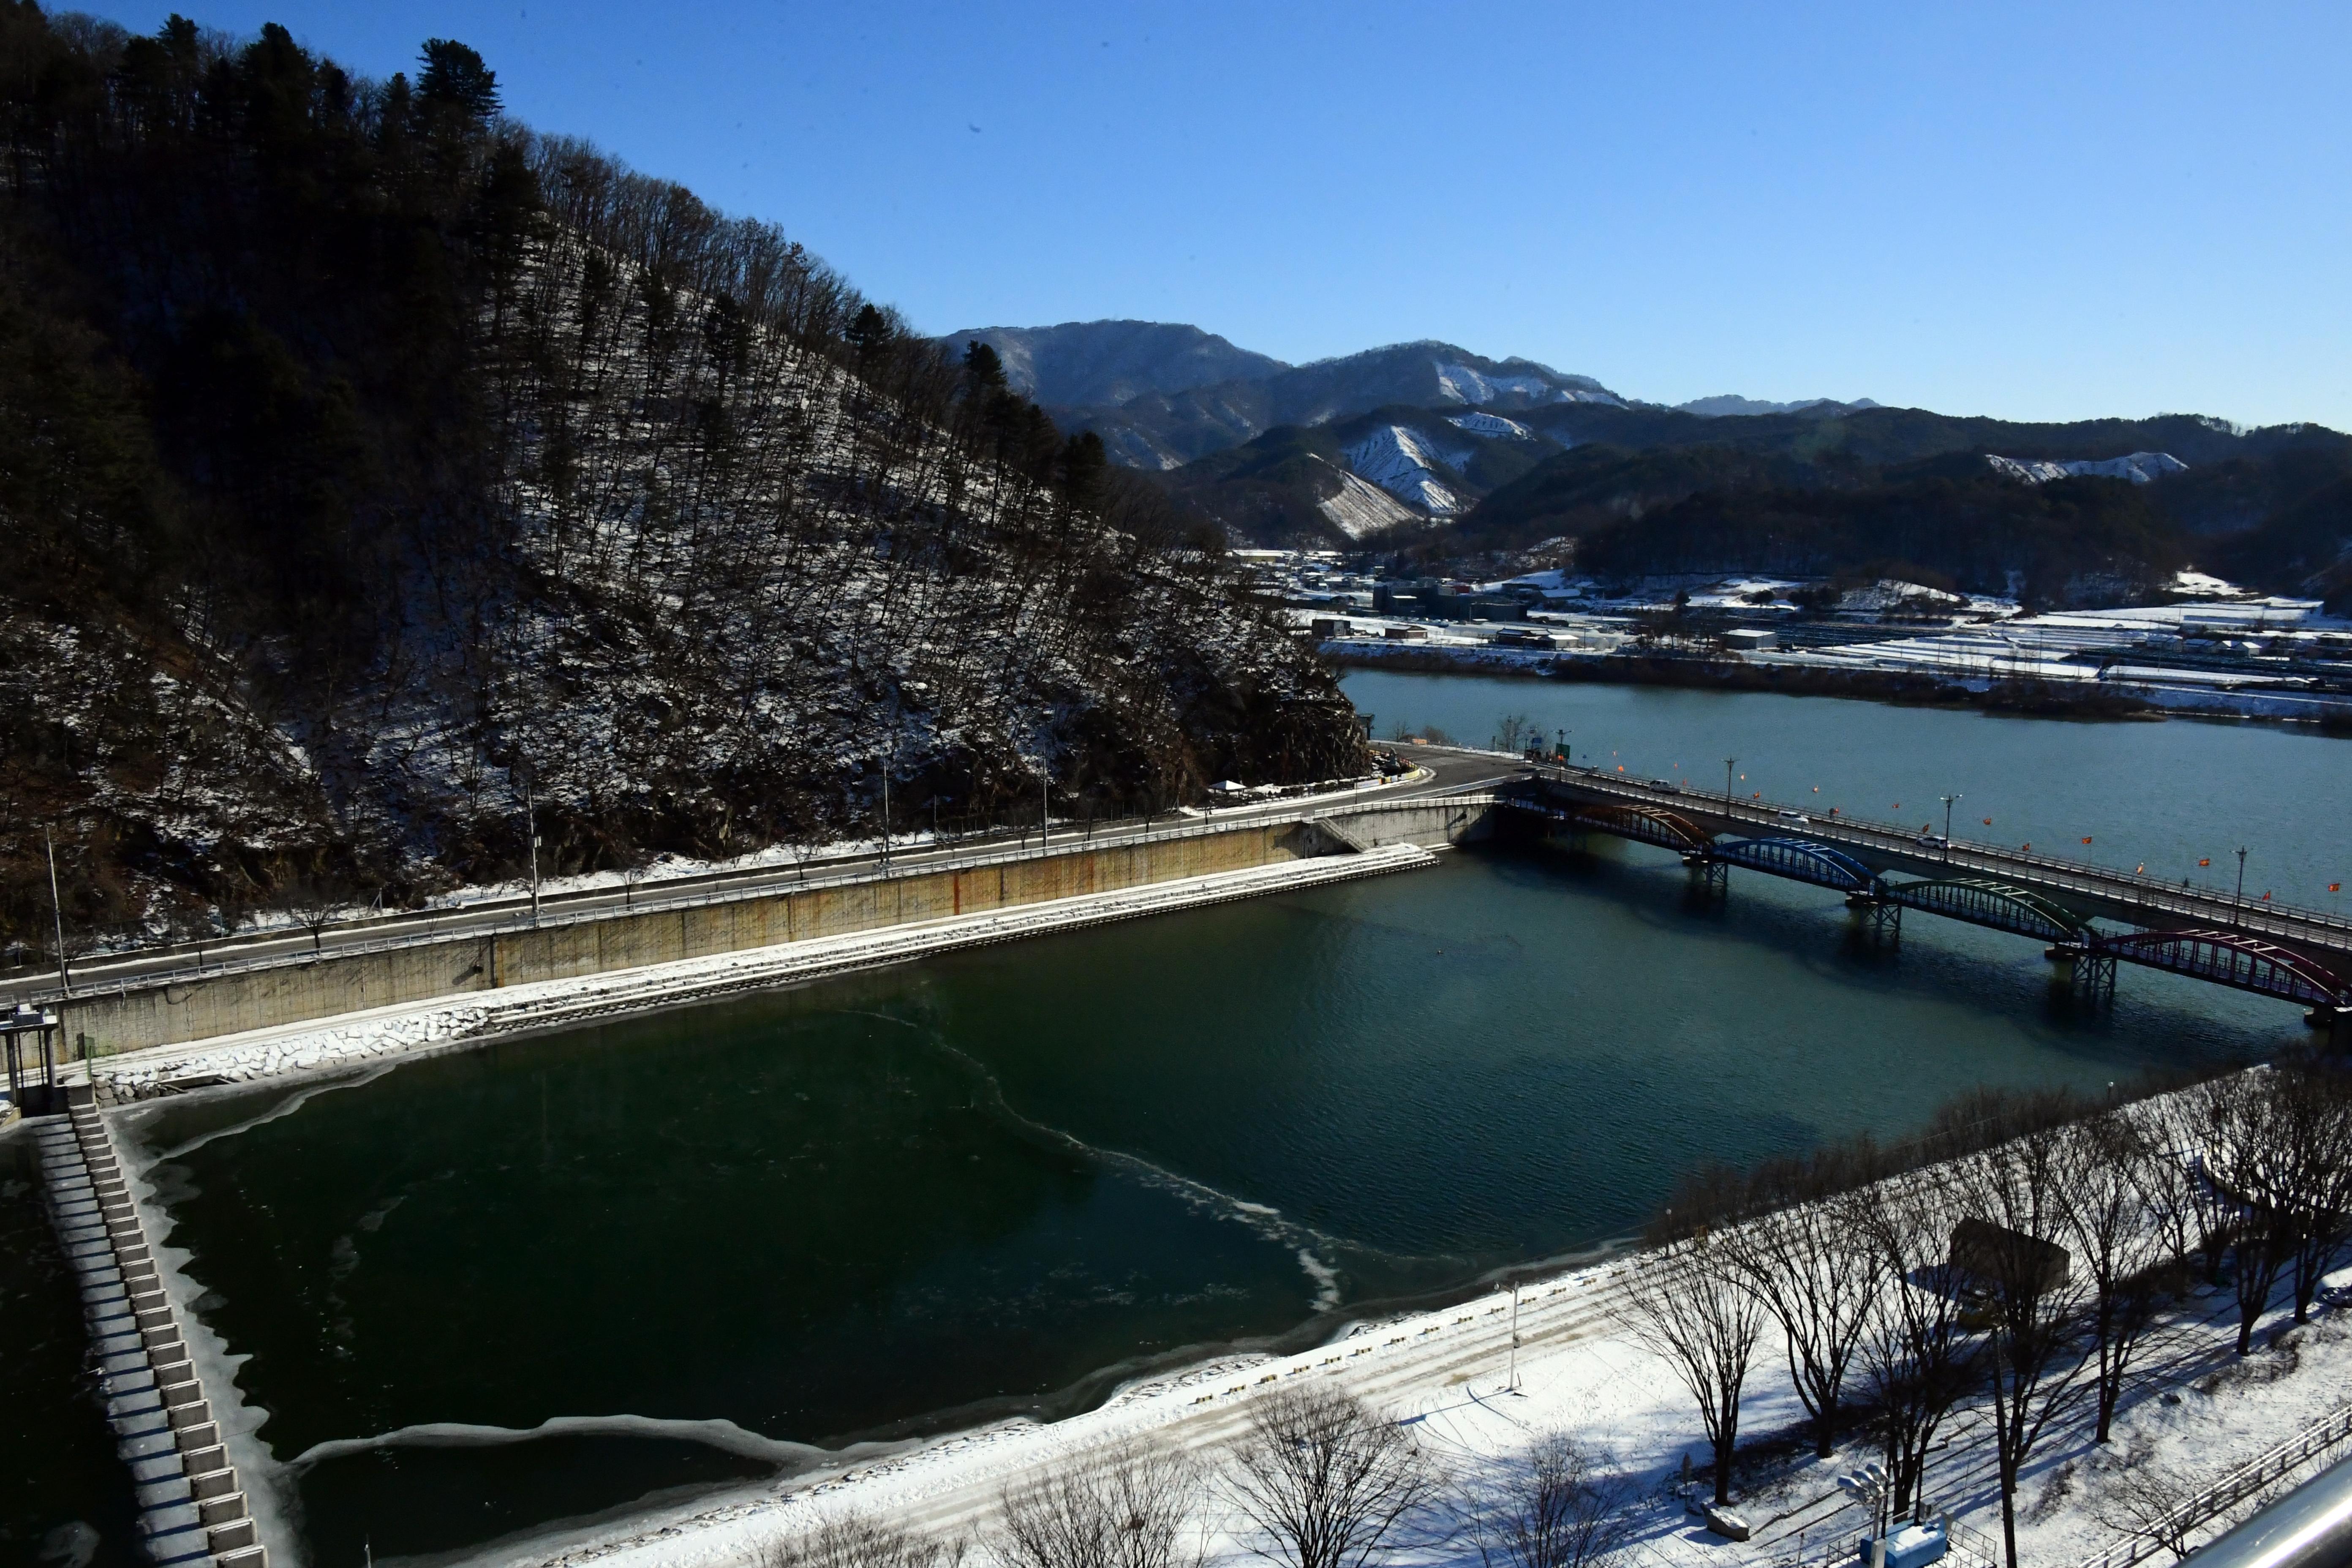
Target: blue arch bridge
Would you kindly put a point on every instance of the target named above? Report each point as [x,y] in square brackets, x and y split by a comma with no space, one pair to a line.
[2303,956]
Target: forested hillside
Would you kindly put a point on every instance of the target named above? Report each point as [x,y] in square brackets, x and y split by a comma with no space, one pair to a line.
[369,464]
[1647,491]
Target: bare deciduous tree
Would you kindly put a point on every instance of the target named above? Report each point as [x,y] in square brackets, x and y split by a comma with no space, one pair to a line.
[2316,1117]
[1814,1269]
[2106,1223]
[1564,1510]
[2251,1158]
[1126,1507]
[2189,1214]
[1689,1310]
[2034,1353]
[1328,1482]
[2149,1501]
[1918,1358]
[311,906]
[857,1540]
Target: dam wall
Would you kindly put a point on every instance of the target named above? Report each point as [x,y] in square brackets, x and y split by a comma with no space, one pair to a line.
[161,1013]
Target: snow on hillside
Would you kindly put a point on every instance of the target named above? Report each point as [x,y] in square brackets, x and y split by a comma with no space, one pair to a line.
[1460,383]
[1492,425]
[2139,467]
[1361,507]
[1404,463]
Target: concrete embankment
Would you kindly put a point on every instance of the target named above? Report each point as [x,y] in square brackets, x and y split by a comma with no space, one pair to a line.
[296,988]
[357,1036]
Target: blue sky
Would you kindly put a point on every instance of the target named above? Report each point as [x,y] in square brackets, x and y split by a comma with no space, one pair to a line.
[2032,211]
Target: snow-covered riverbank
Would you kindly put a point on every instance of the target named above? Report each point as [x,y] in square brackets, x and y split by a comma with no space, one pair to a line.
[2195,1413]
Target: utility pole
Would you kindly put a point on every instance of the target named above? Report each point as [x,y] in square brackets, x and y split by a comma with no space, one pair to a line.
[1044,808]
[1948,801]
[885,817]
[1728,764]
[2241,873]
[530,826]
[58,911]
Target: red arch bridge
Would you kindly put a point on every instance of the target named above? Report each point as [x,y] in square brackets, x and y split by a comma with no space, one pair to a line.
[2214,952]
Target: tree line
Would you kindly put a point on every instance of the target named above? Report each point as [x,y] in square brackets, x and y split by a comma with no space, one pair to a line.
[2017,1261]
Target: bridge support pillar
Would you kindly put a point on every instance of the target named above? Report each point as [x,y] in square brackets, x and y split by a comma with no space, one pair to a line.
[2335,1024]
[1881,918]
[2084,969]
[1709,875]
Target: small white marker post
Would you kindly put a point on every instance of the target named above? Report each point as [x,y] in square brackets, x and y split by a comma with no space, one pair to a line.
[1513,1384]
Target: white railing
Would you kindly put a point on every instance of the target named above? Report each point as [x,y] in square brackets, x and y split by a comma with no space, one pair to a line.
[2174,1524]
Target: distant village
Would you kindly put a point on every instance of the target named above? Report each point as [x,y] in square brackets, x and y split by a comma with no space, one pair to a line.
[2210,647]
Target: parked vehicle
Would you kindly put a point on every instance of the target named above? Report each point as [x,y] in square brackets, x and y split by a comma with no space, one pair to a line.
[1795,819]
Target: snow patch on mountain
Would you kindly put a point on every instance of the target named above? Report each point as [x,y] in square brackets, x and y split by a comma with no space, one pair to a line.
[1492,425]
[2139,467]
[1405,463]
[1460,383]
[1362,507]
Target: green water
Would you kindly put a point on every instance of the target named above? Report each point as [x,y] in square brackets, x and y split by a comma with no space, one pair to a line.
[1003,1181]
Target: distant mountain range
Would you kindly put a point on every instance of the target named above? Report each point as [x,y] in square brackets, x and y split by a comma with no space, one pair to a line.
[1162,396]
[1731,406]
[1427,448]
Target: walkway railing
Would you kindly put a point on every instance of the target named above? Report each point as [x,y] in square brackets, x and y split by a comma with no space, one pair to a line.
[2173,1525]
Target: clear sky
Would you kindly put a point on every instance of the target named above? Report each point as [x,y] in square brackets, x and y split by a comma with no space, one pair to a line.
[2037,211]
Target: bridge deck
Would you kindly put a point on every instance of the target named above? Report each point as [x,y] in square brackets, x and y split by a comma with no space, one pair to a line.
[2078,884]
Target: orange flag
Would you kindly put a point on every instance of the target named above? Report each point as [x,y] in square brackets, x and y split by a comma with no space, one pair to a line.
[2086,839]
[2334,887]
[2205,862]
[1988,822]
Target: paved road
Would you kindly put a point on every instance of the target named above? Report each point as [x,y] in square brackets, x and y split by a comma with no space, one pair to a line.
[2088,888]
[1452,770]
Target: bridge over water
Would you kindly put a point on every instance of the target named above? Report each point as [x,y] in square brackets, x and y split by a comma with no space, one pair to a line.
[2297,955]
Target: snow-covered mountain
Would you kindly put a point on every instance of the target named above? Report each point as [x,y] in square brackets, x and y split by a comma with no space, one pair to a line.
[1405,463]
[1082,364]
[2139,467]
[1161,395]
[1357,507]
[1493,427]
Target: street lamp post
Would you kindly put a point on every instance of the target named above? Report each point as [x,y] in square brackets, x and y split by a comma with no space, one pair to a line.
[531,826]
[1728,764]
[58,912]
[1949,801]
[2241,873]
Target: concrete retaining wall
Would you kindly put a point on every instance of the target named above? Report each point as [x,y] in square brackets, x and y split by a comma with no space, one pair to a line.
[170,1014]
